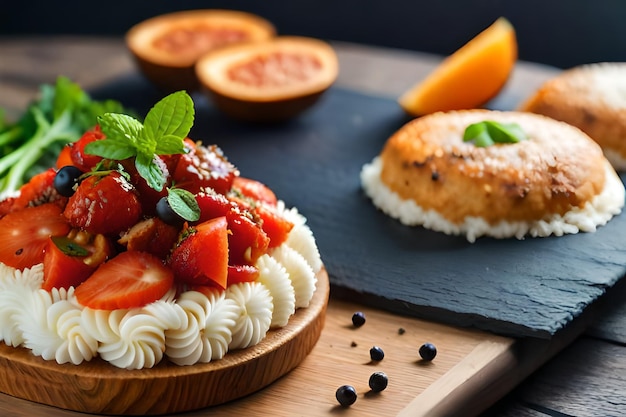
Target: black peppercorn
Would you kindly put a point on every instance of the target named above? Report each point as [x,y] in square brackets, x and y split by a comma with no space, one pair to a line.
[358,319]
[376,354]
[378,381]
[346,395]
[428,351]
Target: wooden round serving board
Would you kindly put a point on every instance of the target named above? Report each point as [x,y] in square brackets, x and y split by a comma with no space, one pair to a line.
[98,387]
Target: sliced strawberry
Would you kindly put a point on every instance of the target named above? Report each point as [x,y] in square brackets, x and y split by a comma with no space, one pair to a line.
[24,234]
[129,280]
[104,205]
[6,206]
[254,189]
[242,273]
[151,235]
[61,269]
[78,156]
[204,167]
[201,258]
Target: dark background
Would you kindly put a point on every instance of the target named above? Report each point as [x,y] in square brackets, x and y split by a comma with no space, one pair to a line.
[563,33]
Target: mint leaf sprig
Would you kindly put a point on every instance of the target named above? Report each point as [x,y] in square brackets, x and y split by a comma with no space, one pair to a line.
[489,132]
[163,132]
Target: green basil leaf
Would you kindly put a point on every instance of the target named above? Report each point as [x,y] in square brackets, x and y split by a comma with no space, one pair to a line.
[478,134]
[184,204]
[483,140]
[489,132]
[68,246]
[173,115]
[474,130]
[505,132]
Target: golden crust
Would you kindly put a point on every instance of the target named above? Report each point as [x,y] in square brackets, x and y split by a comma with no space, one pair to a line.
[591,97]
[557,168]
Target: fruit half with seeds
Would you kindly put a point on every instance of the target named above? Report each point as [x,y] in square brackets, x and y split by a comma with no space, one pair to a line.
[268,81]
[166,47]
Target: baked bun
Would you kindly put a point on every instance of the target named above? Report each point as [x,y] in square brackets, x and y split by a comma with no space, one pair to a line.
[556,181]
[593,98]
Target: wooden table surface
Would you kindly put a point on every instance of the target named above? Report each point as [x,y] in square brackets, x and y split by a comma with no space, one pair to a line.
[587,377]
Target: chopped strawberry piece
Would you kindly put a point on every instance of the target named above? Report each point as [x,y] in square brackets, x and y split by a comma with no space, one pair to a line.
[242,273]
[39,190]
[274,225]
[106,205]
[201,258]
[129,280]
[78,156]
[65,157]
[247,241]
[254,189]
[61,270]
[204,167]
[213,205]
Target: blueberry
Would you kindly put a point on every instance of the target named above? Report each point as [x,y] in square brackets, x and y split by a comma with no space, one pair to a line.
[428,351]
[358,319]
[166,213]
[346,395]
[377,354]
[65,180]
[378,381]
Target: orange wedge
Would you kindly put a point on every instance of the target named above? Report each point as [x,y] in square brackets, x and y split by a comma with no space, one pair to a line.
[468,78]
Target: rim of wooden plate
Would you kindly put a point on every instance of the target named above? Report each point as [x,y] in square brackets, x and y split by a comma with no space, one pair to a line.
[98,387]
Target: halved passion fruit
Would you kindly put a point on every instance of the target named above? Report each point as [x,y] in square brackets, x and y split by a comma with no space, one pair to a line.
[271,80]
[166,47]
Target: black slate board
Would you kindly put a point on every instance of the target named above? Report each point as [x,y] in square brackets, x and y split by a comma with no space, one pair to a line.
[532,287]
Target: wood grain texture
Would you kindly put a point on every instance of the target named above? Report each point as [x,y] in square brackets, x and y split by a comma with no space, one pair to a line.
[341,356]
[97,387]
[587,379]
[610,324]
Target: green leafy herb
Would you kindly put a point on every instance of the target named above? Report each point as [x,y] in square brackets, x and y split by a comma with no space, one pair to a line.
[489,132]
[163,132]
[68,246]
[183,203]
[61,114]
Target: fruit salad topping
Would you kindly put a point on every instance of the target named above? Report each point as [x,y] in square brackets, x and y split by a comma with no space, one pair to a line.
[140,229]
